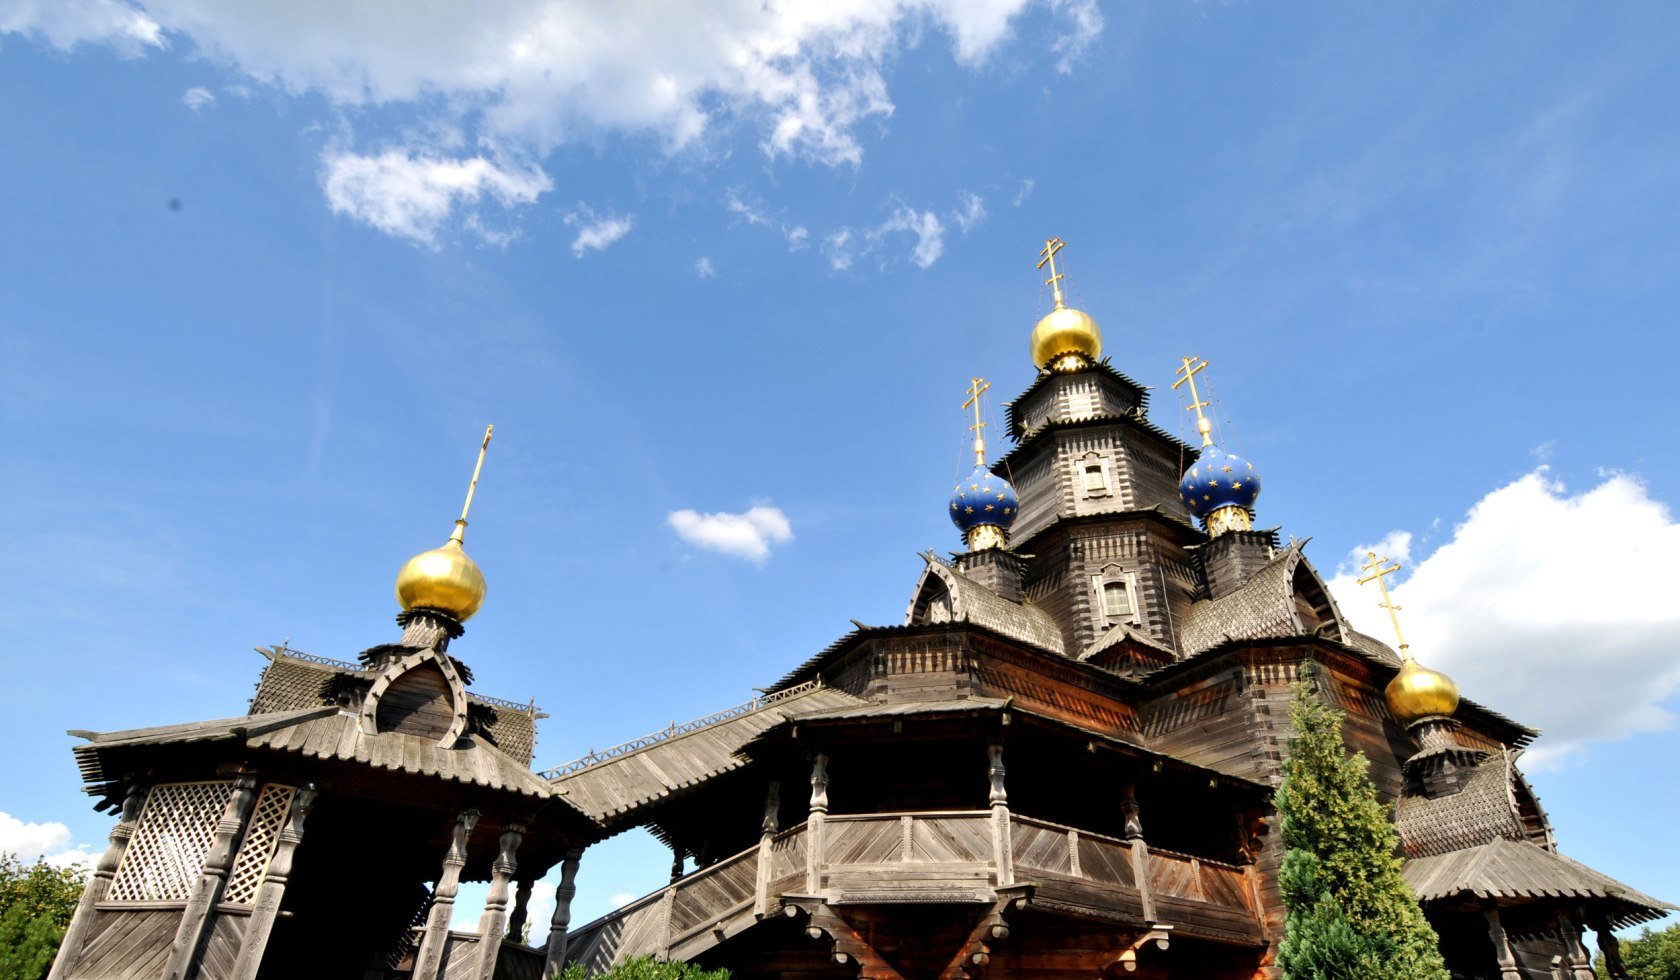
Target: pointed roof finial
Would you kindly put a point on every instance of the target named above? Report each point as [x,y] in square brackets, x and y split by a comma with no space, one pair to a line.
[1379,574]
[976,388]
[1051,247]
[1190,367]
[459,535]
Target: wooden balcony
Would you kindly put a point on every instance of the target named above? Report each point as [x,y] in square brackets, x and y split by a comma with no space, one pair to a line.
[926,858]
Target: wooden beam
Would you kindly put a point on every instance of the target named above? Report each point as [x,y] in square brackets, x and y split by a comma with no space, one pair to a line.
[207,890]
[428,963]
[555,961]
[76,936]
[494,920]
[267,906]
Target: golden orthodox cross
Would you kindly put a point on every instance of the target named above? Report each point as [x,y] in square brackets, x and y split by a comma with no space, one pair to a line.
[1051,247]
[1379,575]
[1189,369]
[461,524]
[976,388]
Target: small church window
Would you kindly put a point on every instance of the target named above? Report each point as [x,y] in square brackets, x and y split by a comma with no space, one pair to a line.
[1117,601]
[1094,475]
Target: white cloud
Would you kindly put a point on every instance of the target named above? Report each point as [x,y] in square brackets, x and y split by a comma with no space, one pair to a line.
[67,23]
[838,249]
[750,535]
[621,899]
[703,268]
[752,214]
[1027,185]
[597,232]
[412,195]
[1554,608]
[798,237]
[925,225]
[970,212]
[198,97]
[1087,21]
[30,841]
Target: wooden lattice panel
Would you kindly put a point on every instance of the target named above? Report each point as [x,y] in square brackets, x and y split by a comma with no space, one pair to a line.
[261,836]
[170,843]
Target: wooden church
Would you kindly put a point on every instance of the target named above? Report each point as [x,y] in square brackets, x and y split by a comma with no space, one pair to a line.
[1059,764]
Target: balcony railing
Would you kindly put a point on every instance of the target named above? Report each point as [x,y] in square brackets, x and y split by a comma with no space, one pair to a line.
[912,858]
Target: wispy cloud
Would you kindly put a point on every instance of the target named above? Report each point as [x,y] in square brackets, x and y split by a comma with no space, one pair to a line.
[198,98]
[413,195]
[925,225]
[971,210]
[752,214]
[750,535]
[703,268]
[1027,185]
[1517,593]
[64,24]
[596,232]
[798,238]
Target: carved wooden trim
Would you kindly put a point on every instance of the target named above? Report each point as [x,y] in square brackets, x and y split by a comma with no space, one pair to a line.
[207,891]
[494,919]
[562,920]
[76,935]
[428,963]
[369,714]
[278,873]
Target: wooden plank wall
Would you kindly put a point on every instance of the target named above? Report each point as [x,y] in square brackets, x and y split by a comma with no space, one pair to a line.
[221,950]
[418,703]
[128,945]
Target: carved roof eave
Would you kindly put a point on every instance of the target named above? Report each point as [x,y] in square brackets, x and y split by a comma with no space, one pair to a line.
[1012,416]
[1216,658]
[1520,872]
[974,707]
[346,667]
[1161,437]
[1064,523]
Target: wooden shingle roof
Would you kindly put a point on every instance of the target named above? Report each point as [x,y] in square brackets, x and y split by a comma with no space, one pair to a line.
[1523,871]
[1263,607]
[972,602]
[1483,811]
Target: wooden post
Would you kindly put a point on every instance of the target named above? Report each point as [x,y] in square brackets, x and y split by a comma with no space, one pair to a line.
[767,830]
[677,862]
[267,906]
[516,921]
[1608,944]
[814,823]
[494,919]
[1578,962]
[557,926]
[1133,832]
[207,890]
[1003,844]
[1501,945]
[428,963]
[70,950]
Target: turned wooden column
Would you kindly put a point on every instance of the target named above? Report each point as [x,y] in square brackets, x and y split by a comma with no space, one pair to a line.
[814,822]
[1502,954]
[207,890]
[516,920]
[266,908]
[1608,944]
[70,950]
[1003,844]
[767,830]
[1577,961]
[557,926]
[494,920]
[428,963]
[1132,830]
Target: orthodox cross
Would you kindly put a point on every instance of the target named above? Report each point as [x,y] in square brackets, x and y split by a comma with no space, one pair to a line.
[976,388]
[1189,369]
[461,524]
[1379,574]
[1051,247]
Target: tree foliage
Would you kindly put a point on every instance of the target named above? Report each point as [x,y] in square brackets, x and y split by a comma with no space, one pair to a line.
[1348,912]
[36,903]
[647,968]
[1651,956]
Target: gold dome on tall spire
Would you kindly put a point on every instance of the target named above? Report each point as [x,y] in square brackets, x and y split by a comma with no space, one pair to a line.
[445,578]
[1066,338]
[1416,692]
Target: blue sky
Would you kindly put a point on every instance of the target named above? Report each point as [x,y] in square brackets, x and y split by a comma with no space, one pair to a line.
[269,269]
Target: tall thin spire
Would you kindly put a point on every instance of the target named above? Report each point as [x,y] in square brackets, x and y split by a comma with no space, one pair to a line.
[459,535]
[976,388]
[1190,367]
[1379,574]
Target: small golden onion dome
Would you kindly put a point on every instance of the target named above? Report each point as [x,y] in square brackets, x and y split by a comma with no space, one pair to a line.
[1418,692]
[1065,331]
[444,579]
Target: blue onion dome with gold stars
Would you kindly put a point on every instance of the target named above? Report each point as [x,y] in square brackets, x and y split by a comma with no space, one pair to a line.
[1219,480]
[983,498]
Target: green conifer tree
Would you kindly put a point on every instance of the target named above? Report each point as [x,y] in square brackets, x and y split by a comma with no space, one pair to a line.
[1348,912]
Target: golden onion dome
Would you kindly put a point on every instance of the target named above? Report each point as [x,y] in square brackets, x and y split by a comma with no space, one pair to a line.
[1418,692]
[444,579]
[1065,331]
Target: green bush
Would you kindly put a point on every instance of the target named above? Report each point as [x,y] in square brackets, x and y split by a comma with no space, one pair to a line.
[647,968]
[36,903]
[1651,956]
[1348,912]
